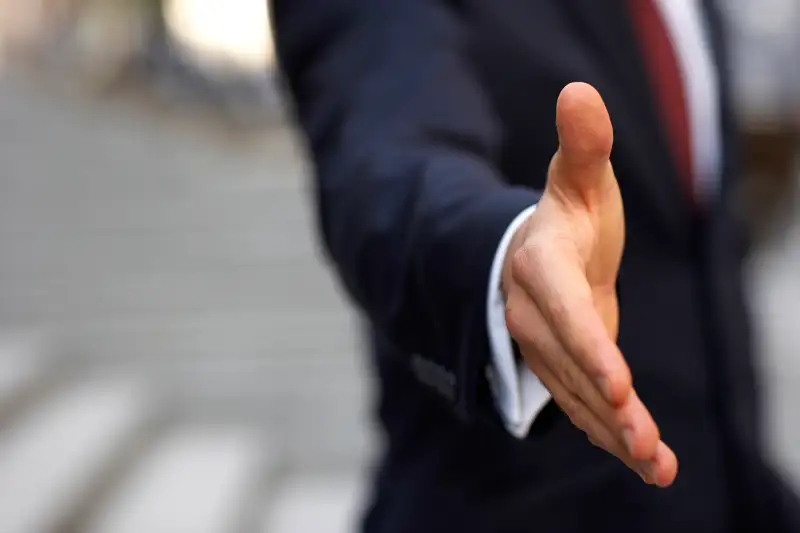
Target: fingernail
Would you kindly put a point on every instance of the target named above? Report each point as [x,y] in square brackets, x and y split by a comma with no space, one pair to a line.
[645,475]
[629,438]
[652,475]
[605,387]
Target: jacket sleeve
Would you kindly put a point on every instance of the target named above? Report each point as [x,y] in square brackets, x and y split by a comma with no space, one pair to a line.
[410,205]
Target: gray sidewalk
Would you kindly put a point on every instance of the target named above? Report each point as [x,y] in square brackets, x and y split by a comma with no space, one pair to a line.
[166,247]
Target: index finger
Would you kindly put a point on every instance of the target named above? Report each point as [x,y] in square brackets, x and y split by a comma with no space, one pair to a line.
[562,294]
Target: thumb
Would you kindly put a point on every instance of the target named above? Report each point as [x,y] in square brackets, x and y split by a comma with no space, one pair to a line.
[585,138]
[581,177]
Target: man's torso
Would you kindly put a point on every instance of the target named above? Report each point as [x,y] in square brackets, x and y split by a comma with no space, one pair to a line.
[683,324]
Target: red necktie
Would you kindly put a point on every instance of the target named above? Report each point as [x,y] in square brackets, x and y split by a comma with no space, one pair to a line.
[667,82]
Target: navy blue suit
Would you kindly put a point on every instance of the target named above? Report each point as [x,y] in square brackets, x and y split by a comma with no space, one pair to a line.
[431,124]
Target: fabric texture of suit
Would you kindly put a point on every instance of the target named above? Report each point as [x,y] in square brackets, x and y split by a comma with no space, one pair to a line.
[431,125]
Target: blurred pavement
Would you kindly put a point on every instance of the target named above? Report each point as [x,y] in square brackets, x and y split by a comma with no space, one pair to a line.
[183,257]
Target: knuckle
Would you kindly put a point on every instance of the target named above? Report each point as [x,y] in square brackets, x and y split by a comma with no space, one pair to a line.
[569,376]
[520,323]
[521,264]
[558,311]
[525,260]
[515,320]
[579,419]
[571,407]
[602,443]
[538,368]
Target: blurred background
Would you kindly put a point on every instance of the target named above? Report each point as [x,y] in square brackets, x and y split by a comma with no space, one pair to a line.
[174,355]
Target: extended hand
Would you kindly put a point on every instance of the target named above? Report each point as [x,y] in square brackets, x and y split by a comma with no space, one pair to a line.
[560,283]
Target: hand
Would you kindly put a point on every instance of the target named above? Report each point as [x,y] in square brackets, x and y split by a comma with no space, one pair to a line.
[560,278]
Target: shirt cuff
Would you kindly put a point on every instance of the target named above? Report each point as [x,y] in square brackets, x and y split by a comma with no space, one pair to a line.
[518,393]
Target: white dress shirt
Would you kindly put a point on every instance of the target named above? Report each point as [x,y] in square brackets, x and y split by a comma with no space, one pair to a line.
[519,395]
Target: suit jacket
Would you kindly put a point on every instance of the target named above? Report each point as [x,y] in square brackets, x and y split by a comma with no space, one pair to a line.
[431,124]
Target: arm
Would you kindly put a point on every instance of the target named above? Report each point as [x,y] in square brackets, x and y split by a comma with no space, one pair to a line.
[411,207]
[412,212]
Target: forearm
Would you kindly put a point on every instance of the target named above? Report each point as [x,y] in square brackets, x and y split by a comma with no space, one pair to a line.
[410,202]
